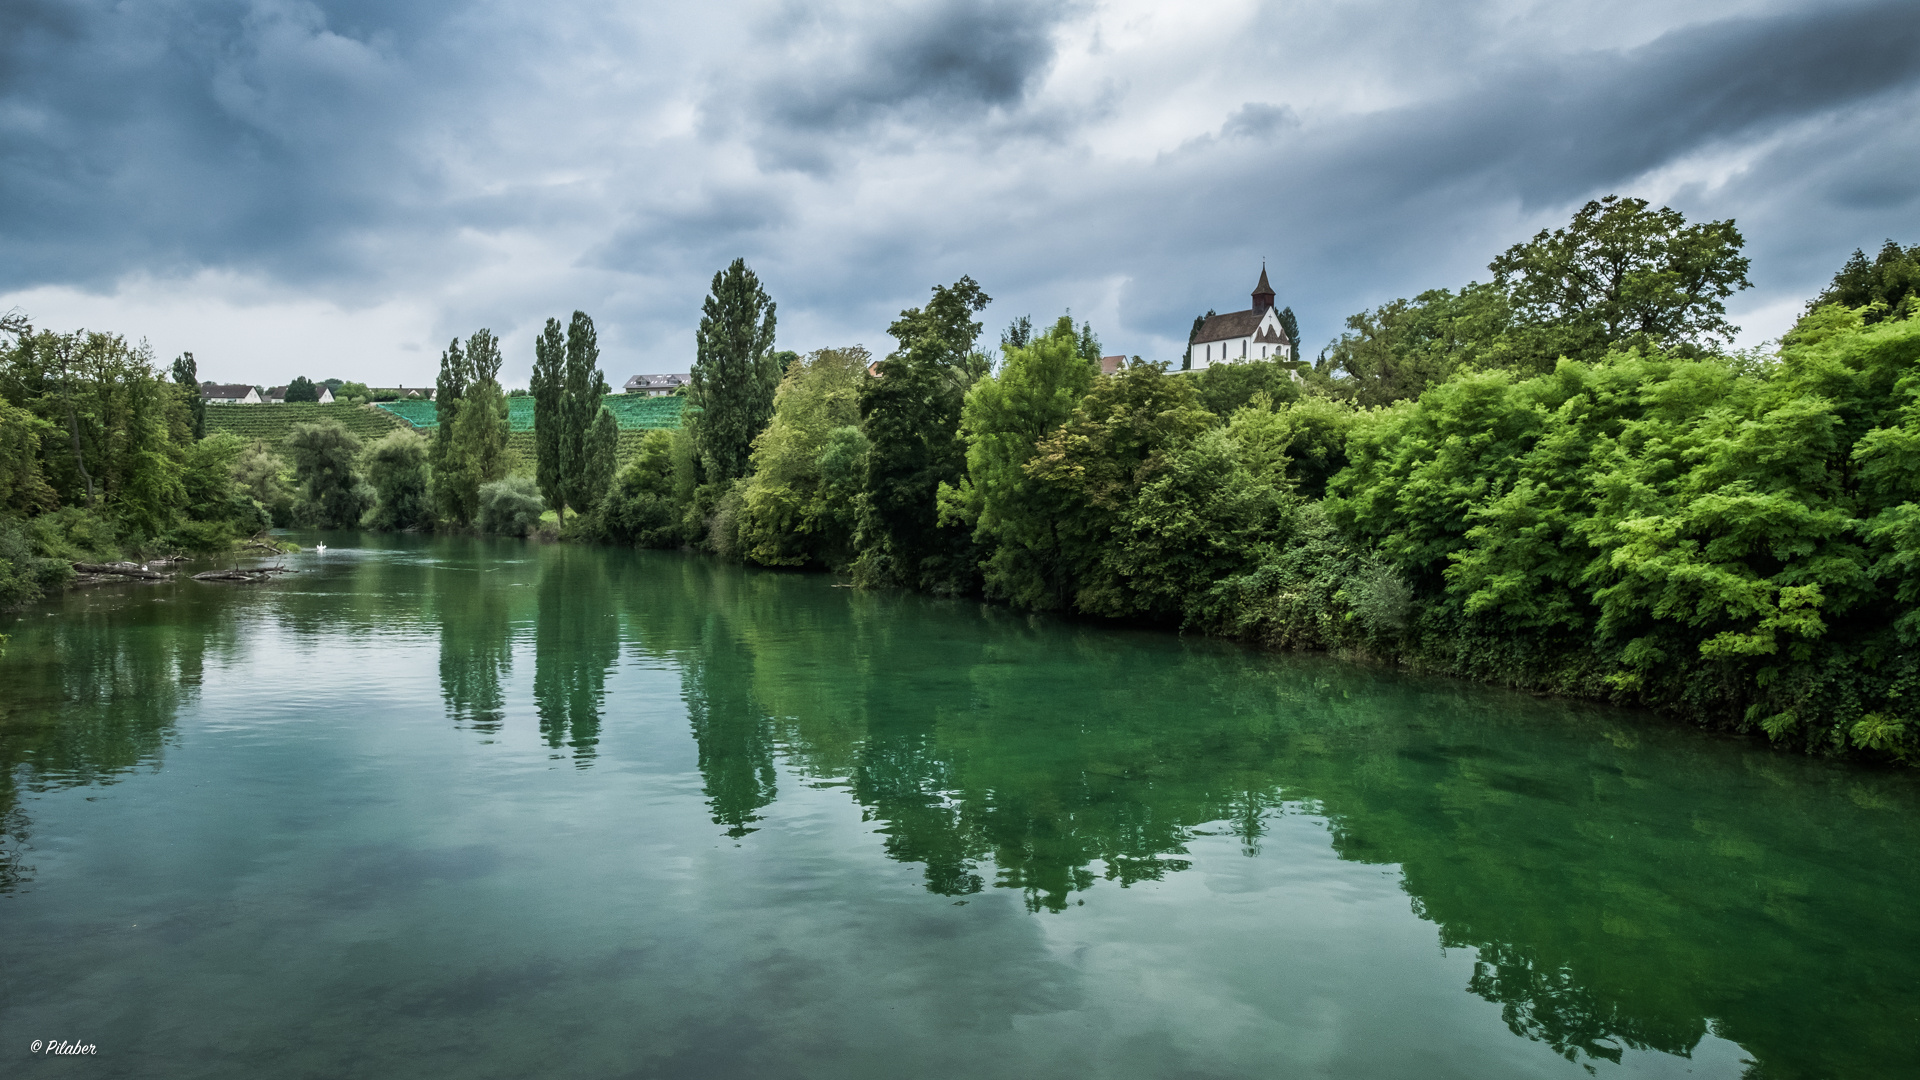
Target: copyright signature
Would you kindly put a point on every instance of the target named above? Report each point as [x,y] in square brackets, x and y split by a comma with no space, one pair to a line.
[62,1046]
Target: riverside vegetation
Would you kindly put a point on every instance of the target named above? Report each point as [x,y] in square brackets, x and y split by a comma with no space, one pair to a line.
[1563,478]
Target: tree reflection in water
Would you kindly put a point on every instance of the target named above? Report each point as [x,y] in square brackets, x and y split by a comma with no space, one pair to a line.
[576,641]
[92,693]
[1621,881]
[476,641]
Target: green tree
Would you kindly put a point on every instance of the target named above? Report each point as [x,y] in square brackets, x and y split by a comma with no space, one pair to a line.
[1620,275]
[1291,324]
[476,451]
[266,478]
[302,389]
[510,507]
[639,509]
[585,440]
[1093,465]
[1186,357]
[735,372]
[332,494]
[911,415]
[1014,516]
[1888,286]
[1399,349]
[792,512]
[453,489]
[186,375]
[397,469]
[548,387]
[602,452]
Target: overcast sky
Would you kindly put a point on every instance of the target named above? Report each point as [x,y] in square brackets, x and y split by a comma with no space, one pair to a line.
[336,188]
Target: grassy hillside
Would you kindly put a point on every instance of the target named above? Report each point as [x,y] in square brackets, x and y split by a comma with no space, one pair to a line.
[632,411]
[273,423]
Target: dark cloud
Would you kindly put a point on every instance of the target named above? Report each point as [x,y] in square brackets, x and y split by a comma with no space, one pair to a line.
[497,164]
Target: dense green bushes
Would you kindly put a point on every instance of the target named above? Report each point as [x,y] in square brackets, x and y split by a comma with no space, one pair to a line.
[1563,479]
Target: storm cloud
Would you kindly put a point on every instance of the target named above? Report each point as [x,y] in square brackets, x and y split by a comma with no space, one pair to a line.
[337,187]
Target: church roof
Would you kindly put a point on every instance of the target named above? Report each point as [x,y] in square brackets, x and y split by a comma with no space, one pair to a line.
[1234,324]
[1237,324]
[1264,289]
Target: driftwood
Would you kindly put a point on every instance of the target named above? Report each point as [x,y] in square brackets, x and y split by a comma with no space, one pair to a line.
[120,569]
[250,573]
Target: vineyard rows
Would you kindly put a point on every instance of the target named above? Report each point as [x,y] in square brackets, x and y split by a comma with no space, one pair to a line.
[273,423]
[632,411]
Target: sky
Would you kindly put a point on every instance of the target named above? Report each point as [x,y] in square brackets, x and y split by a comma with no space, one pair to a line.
[338,188]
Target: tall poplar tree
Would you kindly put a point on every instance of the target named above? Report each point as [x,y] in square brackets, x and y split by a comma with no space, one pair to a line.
[734,372]
[187,374]
[582,388]
[477,452]
[448,389]
[547,384]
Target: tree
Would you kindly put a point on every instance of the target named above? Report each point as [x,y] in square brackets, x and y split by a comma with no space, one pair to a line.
[1014,516]
[1092,467]
[332,494]
[301,389]
[639,508]
[1399,349]
[397,470]
[186,374]
[476,453]
[451,492]
[911,415]
[1889,287]
[548,387]
[1292,326]
[1018,334]
[602,447]
[792,513]
[734,372]
[1621,275]
[584,477]
[1186,358]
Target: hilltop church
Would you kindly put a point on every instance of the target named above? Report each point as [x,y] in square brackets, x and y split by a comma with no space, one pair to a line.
[1239,336]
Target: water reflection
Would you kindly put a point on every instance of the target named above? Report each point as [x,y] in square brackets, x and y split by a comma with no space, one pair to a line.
[91,694]
[476,641]
[1620,884]
[576,641]
[1624,884]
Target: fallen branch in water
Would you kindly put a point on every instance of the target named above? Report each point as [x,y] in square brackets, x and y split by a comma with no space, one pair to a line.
[251,573]
[120,569]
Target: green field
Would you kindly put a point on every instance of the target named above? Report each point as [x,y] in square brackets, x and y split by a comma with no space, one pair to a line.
[273,423]
[633,412]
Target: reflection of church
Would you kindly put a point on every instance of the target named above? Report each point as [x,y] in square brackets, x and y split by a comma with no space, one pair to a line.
[1239,336]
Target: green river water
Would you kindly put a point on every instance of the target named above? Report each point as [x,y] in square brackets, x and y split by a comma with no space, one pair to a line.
[464,808]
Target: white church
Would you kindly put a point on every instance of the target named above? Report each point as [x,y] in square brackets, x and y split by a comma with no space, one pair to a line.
[1239,336]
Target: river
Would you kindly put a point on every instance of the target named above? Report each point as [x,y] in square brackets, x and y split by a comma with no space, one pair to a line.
[470,808]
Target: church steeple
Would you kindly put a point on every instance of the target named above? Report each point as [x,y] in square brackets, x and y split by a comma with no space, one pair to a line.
[1263,292]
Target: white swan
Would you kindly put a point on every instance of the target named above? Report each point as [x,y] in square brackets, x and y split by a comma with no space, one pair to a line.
[319,547]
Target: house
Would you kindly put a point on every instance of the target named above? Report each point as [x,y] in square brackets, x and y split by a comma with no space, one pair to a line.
[277,395]
[1239,336]
[228,394]
[655,385]
[1111,365]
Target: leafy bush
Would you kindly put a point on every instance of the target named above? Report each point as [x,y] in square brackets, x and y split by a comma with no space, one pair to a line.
[397,470]
[510,507]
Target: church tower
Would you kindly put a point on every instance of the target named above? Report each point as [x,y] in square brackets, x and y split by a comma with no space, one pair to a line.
[1263,292]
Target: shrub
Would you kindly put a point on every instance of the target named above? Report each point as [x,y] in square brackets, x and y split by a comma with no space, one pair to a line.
[510,507]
